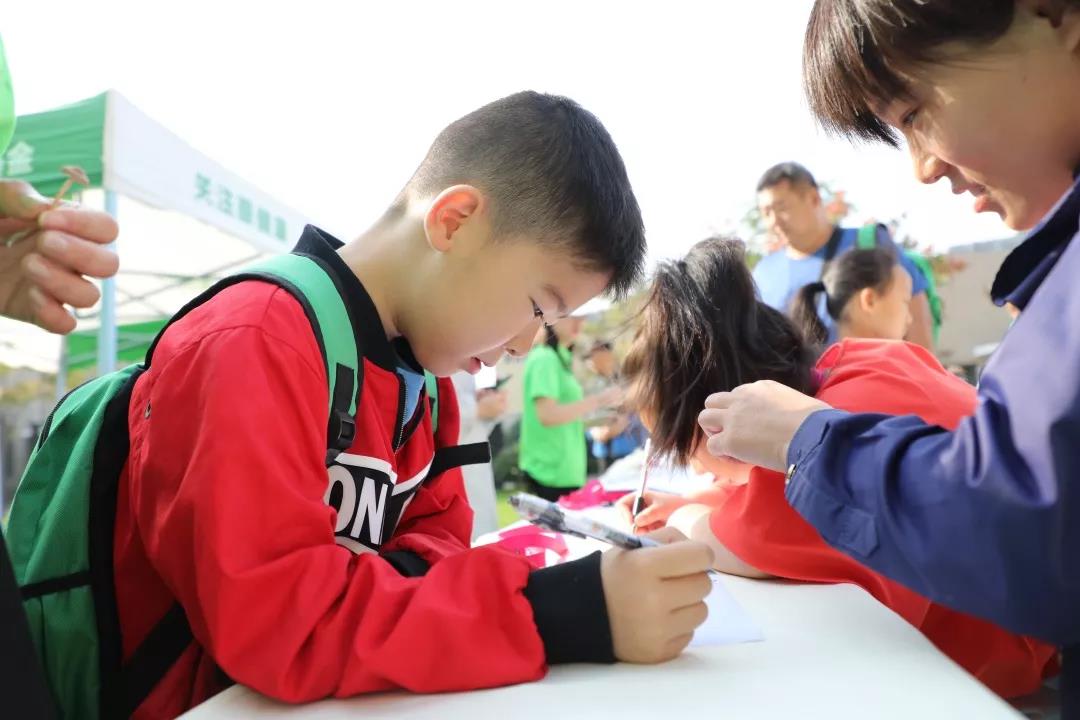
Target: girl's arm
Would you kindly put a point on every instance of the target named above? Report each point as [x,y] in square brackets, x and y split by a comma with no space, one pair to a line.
[693,521]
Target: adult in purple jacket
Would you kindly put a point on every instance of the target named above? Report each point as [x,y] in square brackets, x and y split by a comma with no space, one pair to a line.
[986,519]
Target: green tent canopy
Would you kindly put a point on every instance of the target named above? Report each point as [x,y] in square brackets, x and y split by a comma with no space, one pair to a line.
[7,101]
[132,342]
[127,154]
[44,142]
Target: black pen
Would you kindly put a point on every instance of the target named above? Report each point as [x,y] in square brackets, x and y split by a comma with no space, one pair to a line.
[549,515]
[639,501]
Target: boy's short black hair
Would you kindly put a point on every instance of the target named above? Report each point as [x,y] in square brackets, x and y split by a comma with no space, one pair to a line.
[857,52]
[790,172]
[552,172]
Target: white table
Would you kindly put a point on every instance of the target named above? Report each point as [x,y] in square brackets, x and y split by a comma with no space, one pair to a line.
[830,651]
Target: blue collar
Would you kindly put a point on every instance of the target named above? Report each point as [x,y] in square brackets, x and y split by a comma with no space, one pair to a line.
[1028,265]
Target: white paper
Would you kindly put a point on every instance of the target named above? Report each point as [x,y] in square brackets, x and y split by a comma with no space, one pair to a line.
[728,622]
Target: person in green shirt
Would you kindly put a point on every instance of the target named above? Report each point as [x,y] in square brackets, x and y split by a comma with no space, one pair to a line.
[7,102]
[552,455]
[45,252]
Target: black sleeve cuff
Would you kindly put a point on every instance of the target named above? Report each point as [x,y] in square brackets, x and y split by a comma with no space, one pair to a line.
[570,612]
[407,563]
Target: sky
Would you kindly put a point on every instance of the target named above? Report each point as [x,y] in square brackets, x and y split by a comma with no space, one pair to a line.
[329,106]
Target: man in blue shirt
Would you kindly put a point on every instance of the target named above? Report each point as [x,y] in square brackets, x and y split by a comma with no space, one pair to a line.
[792,209]
[985,519]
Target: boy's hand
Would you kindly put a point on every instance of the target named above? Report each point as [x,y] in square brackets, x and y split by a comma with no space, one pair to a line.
[658,508]
[42,268]
[655,596]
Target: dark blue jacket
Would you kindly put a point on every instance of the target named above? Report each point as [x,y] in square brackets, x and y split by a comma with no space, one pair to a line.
[985,519]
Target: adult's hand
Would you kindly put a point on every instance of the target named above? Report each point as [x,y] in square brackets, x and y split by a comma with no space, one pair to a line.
[45,254]
[755,423]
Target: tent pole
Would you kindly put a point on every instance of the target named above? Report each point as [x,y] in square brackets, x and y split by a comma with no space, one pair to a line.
[106,359]
[62,370]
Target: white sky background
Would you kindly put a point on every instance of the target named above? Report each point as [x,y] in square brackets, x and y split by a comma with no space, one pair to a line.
[329,106]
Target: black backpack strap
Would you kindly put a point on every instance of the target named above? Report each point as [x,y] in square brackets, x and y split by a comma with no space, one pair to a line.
[341,429]
[124,686]
[152,659]
[831,247]
[110,456]
[448,458]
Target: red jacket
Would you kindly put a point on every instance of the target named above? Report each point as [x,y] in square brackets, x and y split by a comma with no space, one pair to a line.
[295,577]
[756,523]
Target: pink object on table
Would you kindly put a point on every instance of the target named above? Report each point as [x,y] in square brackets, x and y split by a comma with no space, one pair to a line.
[533,544]
[591,494]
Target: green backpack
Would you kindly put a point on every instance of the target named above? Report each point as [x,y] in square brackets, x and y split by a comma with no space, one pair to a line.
[867,239]
[60,533]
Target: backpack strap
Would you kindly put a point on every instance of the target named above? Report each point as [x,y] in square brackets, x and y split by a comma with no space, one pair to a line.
[867,237]
[307,280]
[151,660]
[447,458]
[831,247]
[454,456]
[431,383]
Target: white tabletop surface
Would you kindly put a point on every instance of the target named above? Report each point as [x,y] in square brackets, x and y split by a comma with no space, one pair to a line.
[830,651]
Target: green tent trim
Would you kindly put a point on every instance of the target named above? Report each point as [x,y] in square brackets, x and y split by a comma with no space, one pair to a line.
[132,342]
[44,142]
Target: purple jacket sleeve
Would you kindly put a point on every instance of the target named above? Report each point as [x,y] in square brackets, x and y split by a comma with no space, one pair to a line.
[985,519]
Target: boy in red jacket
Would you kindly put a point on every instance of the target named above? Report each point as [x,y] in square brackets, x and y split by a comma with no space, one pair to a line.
[304,581]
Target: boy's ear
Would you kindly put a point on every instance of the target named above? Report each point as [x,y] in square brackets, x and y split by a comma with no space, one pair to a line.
[449,212]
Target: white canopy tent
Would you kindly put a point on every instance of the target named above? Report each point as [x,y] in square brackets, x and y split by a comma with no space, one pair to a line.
[214,220]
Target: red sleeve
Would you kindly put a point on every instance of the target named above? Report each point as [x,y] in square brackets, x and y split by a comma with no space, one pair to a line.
[228,479]
[756,523]
[762,529]
[438,521]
